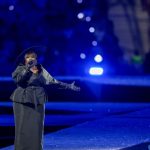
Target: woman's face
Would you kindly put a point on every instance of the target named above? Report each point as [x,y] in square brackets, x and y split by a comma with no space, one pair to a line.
[30,57]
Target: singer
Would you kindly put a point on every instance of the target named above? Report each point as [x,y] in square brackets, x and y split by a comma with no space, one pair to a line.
[29,100]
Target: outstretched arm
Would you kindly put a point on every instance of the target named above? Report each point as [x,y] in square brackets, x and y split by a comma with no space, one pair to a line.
[68,86]
[49,80]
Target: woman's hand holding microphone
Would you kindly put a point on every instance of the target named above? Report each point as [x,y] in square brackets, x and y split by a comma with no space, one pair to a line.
[31,65]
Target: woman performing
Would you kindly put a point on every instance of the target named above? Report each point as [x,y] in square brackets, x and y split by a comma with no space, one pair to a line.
[29,100]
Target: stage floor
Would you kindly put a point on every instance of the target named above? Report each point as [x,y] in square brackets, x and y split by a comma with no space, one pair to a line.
[93,126]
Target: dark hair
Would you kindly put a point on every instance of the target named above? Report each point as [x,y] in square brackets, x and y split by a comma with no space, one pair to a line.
[30,52]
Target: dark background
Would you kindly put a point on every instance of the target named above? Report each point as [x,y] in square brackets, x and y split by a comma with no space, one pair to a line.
[121,35]
[112,35]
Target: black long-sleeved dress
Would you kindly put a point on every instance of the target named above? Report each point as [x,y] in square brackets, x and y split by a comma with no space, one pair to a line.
[28,105]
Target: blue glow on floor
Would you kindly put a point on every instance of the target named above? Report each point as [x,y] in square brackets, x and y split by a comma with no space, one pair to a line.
[127,125]
[109,133]
[109,80]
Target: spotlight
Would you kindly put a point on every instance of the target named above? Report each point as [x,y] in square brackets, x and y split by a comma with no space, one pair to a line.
[82,56]
[79,1]
[98,58]
[80,15]
[96,71]
[88,19]
[11,7]
[91,29]
[94,43]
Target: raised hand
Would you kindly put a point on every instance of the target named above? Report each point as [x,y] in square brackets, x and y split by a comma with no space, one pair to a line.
[68,86]
[31,63]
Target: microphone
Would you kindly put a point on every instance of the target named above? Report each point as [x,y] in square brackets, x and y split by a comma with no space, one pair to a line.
[32,63]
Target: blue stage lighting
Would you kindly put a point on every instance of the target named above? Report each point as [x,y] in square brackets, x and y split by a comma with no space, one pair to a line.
[82,56]
[96,71]
[79,1]
[94,43]
[80,15]
[11,7]
[98,58]
[91,29]
[88,18]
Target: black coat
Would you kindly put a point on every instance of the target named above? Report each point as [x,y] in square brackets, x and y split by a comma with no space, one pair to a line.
[30,87]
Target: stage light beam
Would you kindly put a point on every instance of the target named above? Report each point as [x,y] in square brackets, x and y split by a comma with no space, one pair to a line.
[98,58]
[11,7]
[96,71]
[82,56]
[80,15]
[92,29]
[88,18]
[79,1]
[94,43]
